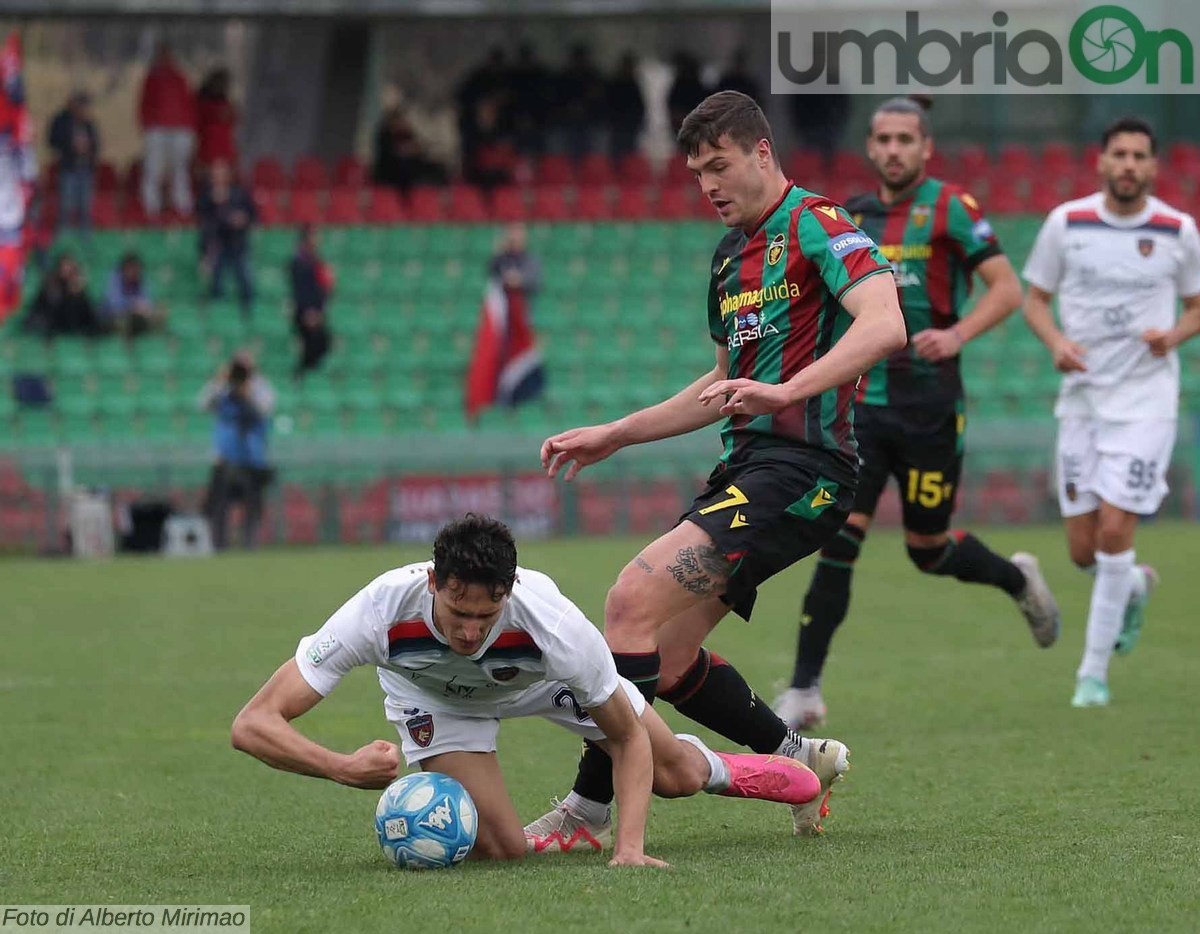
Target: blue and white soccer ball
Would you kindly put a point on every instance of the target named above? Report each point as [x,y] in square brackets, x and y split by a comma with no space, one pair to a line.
[426,820]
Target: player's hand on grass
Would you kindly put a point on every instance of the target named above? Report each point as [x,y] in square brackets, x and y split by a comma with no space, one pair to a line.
[1068,357]
[637,859]
[747,397]
[1160,343]
[579,448]
[375,765]
[936,344]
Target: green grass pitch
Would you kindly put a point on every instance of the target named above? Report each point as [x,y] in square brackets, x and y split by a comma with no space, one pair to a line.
[978,801]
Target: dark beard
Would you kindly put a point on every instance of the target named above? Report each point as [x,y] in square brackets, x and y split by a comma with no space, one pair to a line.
[1138,192]
[902,184]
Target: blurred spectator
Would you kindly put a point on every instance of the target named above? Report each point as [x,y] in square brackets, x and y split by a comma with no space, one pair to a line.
[513,264]
[400,161]
[312,284]
[226,213]
[76,143]
[580,94]
[687,88]
[168,118]
[62,305]
[819,121]
[529,81]
[129,308]
[626,108]
[216,121]
[491,78]
[738,78]
[242,401]
[491,158]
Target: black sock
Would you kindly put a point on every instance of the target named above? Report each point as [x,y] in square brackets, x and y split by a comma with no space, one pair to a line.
[825,605]
[968,559]
[594,780]
[715,695]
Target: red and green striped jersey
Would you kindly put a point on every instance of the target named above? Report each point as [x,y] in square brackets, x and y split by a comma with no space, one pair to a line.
[934,239]
[774,302]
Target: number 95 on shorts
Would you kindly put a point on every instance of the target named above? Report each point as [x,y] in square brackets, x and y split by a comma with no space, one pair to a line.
[1121,463]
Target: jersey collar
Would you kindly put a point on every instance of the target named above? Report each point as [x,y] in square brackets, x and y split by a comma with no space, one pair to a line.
[771,210]
[912,194]
[427,599]
[1124,220]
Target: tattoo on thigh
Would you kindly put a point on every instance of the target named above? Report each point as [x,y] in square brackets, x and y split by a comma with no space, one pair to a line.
[644,564]
[701,570]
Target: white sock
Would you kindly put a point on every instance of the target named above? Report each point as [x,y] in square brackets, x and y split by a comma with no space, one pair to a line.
[1110,594]
[792,745]
[594,812]
[718,771]
[1136,572]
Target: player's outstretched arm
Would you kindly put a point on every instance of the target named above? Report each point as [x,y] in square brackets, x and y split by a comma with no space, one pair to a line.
[581,447]
[263,729]
[1162,343]
[1068,356]
[628,744]
[1002,298]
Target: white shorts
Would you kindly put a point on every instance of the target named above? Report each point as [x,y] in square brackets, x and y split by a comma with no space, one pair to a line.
[426,733]
[1121,463]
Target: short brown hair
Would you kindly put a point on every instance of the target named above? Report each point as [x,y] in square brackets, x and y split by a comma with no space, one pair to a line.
[726,113]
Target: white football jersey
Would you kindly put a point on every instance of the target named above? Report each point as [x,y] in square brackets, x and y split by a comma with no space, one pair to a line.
[540,636]
[1117,277]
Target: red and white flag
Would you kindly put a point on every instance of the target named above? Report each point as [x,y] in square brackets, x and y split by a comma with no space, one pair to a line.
[506,365]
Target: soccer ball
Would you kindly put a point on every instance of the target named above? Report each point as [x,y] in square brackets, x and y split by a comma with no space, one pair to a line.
[426,820]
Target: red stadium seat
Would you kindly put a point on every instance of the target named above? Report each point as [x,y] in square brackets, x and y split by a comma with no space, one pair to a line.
[555,170]
[425,205]
[1017,160]
[467,205]
[508,204]
[1046,193]
[592,203]
[1091,152]
[268,173]
[383,206]
[104,210]
[1004,197]
[679,202]
[309,174]
[804,164]
[132,182]
[634,169]
[1184,157]
[1058,157]
[266,202]
[1083,183]
[596,169]
[635,202]
[303,208]
[133,214]
[939,166]
[677,172]
[550,204]
[1170,187]
[349,172]
[343,207]
[972,161]
[106,177]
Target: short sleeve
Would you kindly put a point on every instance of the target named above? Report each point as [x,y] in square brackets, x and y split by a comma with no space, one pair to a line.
[1187,279]
[350,637]
[577,655]
[1044,267]
[842,254]
[970,231]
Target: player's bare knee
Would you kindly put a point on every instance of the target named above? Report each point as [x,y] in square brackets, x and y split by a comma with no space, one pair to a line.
[625,609]
[1083,555]
[678,777]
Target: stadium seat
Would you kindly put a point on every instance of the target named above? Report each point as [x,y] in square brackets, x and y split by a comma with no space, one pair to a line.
[1058,158]
[1017,160]
[1184,157]
[550,204]
[106,177]
[343,207]
[308,174]
[425,205]
[303,207]
[383,206]
[466,205]
[554,169]
[349,172]
[634,201]
[1045,194]
[677,173]
[508,204]
[972,162]
[592,203]
[105,210]
[801,165]
[266,202]
[676,202]
[596,169]
[268,173]
[634,169]
[1005,198]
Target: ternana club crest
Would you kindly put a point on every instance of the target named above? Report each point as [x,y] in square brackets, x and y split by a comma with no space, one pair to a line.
[775,249]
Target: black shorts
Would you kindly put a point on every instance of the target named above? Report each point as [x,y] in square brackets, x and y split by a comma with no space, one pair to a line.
[770,507]
[923,449]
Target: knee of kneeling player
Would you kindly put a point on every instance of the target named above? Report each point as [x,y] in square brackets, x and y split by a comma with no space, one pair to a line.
[928,558]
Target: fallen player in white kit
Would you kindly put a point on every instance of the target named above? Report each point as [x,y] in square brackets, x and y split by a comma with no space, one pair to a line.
[466,641]
[1119,261]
